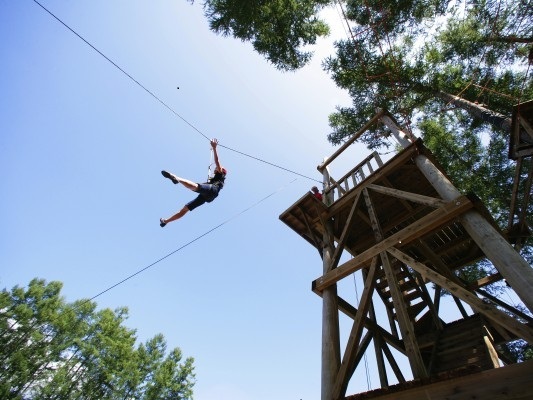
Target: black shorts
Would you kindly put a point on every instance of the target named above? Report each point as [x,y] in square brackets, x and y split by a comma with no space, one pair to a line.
[207,193]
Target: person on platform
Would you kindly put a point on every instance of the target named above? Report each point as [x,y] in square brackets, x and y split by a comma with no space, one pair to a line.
[316,193]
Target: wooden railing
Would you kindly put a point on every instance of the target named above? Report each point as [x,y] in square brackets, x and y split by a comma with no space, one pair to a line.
[355,176]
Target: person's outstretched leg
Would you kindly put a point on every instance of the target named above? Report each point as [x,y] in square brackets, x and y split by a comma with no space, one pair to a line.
[188,184]
[176,216]
[176,179]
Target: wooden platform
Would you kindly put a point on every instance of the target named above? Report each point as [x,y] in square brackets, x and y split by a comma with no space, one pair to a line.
[401,195]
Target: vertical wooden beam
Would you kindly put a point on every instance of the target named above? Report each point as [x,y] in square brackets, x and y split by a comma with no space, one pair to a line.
[434,351]
[436,297]
[330,335]
[400,136]
[505,258]
[379,345]
[392,323]
[516,184]
[489,342]
[330,316]
[427,299]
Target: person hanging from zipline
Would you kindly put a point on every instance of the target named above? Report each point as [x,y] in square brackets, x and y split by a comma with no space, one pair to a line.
[207,192]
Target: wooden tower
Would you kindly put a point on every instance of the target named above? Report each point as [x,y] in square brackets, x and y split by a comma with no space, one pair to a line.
[410,231]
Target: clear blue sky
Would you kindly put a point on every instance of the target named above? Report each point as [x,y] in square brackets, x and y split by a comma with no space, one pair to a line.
[81,150]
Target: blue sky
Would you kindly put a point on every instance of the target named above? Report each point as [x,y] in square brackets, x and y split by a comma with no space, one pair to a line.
[81,151]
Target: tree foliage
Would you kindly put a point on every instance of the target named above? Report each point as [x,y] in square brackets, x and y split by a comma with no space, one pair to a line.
[403,54]
[52,349]
[279,30]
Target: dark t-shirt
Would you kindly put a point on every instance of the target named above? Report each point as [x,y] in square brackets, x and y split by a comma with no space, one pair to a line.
[218,179]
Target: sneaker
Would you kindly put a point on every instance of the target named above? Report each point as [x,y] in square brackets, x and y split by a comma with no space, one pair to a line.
[161,223]
[170,176]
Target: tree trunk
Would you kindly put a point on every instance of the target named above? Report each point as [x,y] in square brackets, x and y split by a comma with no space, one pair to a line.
[510,39]
[498,120]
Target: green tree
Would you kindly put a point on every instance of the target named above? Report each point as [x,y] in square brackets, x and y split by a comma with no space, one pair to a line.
[52,349]
[278,29]
[406,57]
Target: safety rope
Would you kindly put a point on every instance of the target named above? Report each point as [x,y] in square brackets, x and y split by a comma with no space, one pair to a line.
[162,102]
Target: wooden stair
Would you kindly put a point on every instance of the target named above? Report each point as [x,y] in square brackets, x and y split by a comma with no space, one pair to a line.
[412,294]
[459,346]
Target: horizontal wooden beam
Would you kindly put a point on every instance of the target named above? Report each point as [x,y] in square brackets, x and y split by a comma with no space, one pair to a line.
[417,229]
[485,281]
[512,382]
[401,194]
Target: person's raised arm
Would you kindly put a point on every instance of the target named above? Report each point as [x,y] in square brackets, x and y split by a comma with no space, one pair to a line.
[214,143]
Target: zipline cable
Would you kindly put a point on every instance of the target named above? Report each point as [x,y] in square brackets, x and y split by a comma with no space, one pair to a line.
[193,240]
[161,101]
[269,163]
[85,301]
[121,70]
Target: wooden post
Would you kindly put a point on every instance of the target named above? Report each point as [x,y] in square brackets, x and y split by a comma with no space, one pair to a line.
[331,357]
[354,137]
[505,258]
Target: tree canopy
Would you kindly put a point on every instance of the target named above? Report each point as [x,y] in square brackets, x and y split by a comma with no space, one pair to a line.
[464,48]
[53,349]
[279,30]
